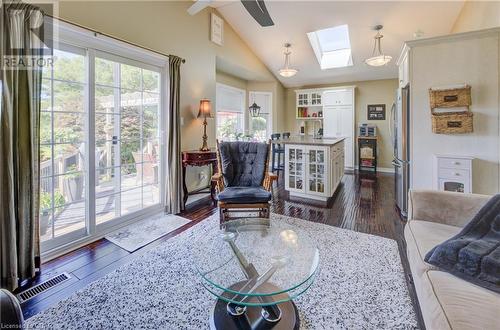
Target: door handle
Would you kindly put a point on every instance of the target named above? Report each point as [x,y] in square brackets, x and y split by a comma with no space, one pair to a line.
[396,164]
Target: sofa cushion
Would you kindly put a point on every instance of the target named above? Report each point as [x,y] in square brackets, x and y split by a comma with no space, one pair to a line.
[423,236]
[244,195]
[243,163]
[465,305]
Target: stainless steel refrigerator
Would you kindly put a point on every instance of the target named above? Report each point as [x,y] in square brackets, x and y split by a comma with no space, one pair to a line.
[401,142]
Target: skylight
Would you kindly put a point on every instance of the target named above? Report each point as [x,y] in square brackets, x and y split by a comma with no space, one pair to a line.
[332,47]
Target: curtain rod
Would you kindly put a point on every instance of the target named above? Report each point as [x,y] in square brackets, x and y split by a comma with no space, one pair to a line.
[112,37]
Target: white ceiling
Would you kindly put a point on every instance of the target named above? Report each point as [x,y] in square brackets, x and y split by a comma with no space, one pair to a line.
[293,19]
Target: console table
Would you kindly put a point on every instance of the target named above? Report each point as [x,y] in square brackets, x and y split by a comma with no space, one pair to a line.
[198,158]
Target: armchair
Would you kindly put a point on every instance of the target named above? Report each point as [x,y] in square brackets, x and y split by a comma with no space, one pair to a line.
[243,182]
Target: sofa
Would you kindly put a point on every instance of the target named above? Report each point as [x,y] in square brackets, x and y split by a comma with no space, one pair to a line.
[446,301]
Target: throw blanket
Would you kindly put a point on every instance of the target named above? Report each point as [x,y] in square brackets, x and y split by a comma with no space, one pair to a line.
[474,254]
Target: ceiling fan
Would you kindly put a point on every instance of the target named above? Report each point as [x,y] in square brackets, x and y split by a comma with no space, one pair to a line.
[256,8]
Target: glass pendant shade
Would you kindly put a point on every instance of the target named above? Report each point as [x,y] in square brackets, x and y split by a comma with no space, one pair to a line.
[378,58]
[287,71]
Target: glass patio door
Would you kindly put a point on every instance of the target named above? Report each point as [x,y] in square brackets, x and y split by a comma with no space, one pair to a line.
[100,152]
[127,149]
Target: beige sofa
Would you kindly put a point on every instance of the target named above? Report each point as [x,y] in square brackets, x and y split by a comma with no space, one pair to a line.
[446,301]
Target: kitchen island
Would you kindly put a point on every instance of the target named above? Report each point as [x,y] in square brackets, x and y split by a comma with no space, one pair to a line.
[313,167]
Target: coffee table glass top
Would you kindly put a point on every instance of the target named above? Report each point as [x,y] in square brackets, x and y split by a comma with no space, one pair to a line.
[257,262]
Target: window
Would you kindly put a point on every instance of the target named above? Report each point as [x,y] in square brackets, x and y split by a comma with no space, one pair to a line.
[101,122]
[230,112]
[332,47]
[261,127]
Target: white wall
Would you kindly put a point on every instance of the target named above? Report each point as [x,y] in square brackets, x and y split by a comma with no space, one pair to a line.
[474,61]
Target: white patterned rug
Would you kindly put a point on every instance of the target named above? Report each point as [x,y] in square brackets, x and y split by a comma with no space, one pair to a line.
[361,285]
[139,234]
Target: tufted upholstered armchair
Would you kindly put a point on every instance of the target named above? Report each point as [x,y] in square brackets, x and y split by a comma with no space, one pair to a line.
[243,182]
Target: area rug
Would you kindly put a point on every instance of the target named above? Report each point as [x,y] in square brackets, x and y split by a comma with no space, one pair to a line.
[139,234]
[361,285]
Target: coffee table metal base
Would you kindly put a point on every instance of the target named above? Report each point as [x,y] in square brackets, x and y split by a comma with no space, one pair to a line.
[252,318]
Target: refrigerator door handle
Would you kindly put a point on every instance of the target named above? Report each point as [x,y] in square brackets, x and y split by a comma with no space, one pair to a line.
[391,125]
[396,164]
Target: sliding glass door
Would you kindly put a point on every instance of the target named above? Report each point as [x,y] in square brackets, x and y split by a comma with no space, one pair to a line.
[127,103]
[101,154]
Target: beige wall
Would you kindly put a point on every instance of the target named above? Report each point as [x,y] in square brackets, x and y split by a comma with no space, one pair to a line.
[165,26]
[367,92]
[477,15]
[473,60]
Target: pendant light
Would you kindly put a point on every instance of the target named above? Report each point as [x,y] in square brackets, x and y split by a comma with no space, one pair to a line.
[378,58]
[287,71]
[254,110]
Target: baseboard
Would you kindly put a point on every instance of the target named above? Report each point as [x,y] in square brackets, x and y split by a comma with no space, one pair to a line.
[385,169]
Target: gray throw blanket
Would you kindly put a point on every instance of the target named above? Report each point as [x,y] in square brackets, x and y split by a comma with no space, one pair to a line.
[474,254]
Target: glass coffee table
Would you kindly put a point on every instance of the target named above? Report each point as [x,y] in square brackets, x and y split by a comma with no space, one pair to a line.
[256,267]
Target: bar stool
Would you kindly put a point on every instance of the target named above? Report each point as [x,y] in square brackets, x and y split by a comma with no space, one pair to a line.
[277,150]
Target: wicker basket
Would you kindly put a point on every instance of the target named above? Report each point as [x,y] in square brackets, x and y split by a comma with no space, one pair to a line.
[450,98]
[452,122]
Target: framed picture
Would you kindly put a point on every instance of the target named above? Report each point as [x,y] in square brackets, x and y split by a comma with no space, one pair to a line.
[217,30]
[376,111]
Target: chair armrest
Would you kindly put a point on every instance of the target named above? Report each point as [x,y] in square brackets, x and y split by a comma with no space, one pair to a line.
[268,180]
[218,180]
[216,177]
[449,208]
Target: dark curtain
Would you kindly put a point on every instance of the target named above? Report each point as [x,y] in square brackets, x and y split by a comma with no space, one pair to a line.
[19,146]
[174,174]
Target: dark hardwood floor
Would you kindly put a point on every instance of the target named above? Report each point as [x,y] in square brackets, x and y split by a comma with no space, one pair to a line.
[363,202]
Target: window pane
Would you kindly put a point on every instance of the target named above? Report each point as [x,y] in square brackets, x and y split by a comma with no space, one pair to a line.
[69,218]
[104,72]
[105,208]
[105,100]
[45,127]
[69,127]
[107,181]
[150,80]
[68,66]
[130,77]
[259,128]
[131,176]
[229,125]
[130,125]
[46,96]
[131,200]
[151,194]
[69,97]
[105,127]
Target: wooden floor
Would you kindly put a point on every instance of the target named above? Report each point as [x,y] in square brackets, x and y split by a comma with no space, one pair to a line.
[364,203]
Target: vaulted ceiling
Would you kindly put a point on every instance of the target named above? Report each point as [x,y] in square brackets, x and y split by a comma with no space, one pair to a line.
[294,19]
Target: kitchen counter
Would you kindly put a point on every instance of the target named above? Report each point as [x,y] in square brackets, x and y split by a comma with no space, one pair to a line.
[309,140]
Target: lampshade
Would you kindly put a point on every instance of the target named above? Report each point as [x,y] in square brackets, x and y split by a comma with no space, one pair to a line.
[205,109]
[378,57]
[254,110]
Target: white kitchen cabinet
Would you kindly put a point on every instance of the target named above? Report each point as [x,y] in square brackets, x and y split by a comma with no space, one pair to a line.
[404,71]
[453,173]
[338,97]
[313,171]
[339,121]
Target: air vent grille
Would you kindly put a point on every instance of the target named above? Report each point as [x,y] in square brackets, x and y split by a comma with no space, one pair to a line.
[42,287]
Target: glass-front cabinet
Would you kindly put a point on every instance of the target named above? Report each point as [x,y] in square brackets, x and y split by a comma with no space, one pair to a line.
[295,159]
[302,99]
[313,171]
[316,98]
[316,168]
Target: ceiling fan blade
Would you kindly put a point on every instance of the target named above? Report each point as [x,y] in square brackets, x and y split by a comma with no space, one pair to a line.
[257,9]
[198,6]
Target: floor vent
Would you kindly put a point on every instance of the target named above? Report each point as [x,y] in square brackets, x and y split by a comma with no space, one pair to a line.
[42,287]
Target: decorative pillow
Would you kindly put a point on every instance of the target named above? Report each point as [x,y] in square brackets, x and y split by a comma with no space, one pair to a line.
[474,253]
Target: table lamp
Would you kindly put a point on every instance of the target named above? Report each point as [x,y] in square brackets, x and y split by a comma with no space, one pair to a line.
[205,112]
